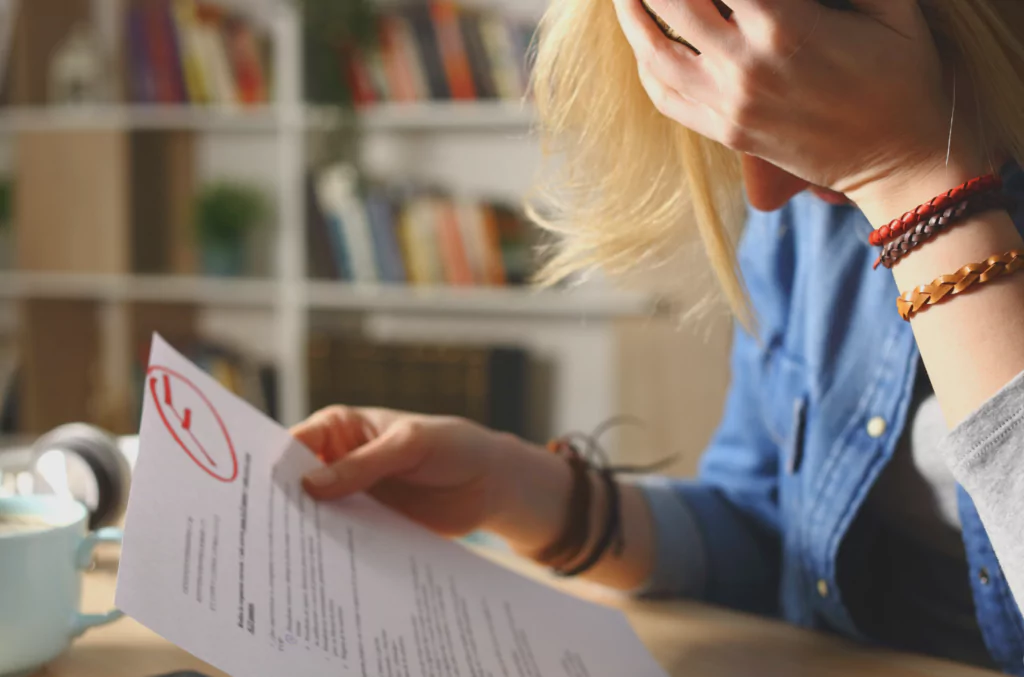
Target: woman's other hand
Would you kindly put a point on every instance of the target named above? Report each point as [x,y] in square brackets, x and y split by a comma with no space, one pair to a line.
[852,100]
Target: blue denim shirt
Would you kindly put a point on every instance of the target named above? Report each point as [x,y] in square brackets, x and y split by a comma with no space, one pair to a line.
[794,457]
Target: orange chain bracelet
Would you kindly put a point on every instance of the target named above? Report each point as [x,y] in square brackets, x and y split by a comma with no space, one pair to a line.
[973,274]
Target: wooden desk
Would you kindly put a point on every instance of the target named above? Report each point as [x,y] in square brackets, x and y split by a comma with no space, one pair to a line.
[687,639]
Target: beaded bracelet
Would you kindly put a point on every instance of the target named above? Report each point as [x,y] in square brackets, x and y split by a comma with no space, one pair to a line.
[896,249]
[982,184]
[971,275]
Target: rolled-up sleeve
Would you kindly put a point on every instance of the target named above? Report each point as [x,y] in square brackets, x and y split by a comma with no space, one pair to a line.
[680,565]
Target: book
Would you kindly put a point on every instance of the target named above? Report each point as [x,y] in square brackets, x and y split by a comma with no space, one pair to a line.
[494,266]
[514,244]
[501,54]
[429,51]
[485,384]
[396,70]
[445,17]
[470,220]
[163,54]
[455,262]
[339,247]
[479,62]
[321,260]
[337,192]
[142,86]
[381,213]
[215,62]
[183,12]
[408,56]
[246,61]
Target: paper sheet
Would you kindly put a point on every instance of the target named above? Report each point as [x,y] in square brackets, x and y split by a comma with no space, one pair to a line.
[225,556]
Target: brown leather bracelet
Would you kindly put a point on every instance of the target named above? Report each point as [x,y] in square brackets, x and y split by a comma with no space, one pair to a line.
[895,250]
[573,538]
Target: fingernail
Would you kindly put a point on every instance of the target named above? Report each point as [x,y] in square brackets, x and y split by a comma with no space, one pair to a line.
[322,477]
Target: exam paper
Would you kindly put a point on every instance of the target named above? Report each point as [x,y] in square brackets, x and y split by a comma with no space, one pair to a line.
[225,556]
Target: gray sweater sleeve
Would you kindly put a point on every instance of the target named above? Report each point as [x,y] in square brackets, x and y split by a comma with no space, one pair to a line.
[986,456]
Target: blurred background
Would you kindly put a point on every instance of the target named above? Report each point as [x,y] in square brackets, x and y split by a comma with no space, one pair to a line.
[318,201]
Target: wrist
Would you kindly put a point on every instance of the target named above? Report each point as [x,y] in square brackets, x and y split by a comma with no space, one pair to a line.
[888,198]
[529,495]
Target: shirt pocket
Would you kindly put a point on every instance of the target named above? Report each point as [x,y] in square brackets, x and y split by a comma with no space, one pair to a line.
[783,399]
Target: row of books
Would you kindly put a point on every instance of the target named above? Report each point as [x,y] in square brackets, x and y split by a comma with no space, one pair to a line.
[438,50]
[191,51]
[486,384]
[412,236]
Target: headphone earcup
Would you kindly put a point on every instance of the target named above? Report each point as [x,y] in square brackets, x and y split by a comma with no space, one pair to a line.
[101,453]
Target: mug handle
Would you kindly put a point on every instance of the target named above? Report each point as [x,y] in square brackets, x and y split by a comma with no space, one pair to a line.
[83,622]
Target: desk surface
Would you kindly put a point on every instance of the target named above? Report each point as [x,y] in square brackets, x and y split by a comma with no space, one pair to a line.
[686,638]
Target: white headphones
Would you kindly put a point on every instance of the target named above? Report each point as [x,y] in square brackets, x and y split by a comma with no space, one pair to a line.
[77,460]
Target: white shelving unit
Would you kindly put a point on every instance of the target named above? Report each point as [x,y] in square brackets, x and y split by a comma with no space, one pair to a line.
[416,117]
[521,302]
[565,326]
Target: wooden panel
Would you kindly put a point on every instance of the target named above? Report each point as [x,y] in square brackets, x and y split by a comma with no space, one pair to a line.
[163,196]
[42,26]
[71,202]
[675,380]
[59,344]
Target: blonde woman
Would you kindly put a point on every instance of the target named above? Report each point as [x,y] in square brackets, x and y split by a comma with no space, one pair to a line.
[848,488]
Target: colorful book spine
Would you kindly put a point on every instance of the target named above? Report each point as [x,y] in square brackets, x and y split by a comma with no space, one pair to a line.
[396,70]
[479,62]
[455,262]
[501,53]
[160,54]
[141,79]
[429,52]
[388,252]
[445,16]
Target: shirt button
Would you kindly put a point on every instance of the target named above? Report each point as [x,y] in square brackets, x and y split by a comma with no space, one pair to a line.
[983,576]
[822,587]
[876,427]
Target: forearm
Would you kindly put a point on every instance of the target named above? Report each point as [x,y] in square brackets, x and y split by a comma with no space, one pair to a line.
[971,345]
[531,511]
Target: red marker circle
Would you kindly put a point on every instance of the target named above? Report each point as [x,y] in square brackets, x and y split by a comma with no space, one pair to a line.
[165,386]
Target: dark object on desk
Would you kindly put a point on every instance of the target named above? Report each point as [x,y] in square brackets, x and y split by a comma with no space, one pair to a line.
[483,384]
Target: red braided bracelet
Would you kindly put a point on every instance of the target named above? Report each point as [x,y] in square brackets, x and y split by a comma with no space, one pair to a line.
[977,186]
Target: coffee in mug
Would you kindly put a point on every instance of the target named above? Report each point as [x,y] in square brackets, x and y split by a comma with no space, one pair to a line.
[13,523]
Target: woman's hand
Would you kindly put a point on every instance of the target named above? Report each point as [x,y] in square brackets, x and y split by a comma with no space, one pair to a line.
[848,100]
[453,477]
[441,471]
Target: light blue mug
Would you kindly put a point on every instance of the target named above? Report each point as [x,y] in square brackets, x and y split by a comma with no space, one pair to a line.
[41,580]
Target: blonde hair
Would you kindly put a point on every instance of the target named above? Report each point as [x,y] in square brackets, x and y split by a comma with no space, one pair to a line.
[629,185]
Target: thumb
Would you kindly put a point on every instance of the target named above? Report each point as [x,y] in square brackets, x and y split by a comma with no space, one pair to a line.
[387,455]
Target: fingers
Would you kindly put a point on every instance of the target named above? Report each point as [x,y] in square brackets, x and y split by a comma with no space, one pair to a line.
[333,432]
[699,22]
[649,43]
[393,453]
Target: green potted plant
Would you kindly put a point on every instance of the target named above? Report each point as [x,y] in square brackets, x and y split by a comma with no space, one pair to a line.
[6,226]
[226,215]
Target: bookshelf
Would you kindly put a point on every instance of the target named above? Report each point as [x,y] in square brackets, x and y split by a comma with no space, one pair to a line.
[477,147]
